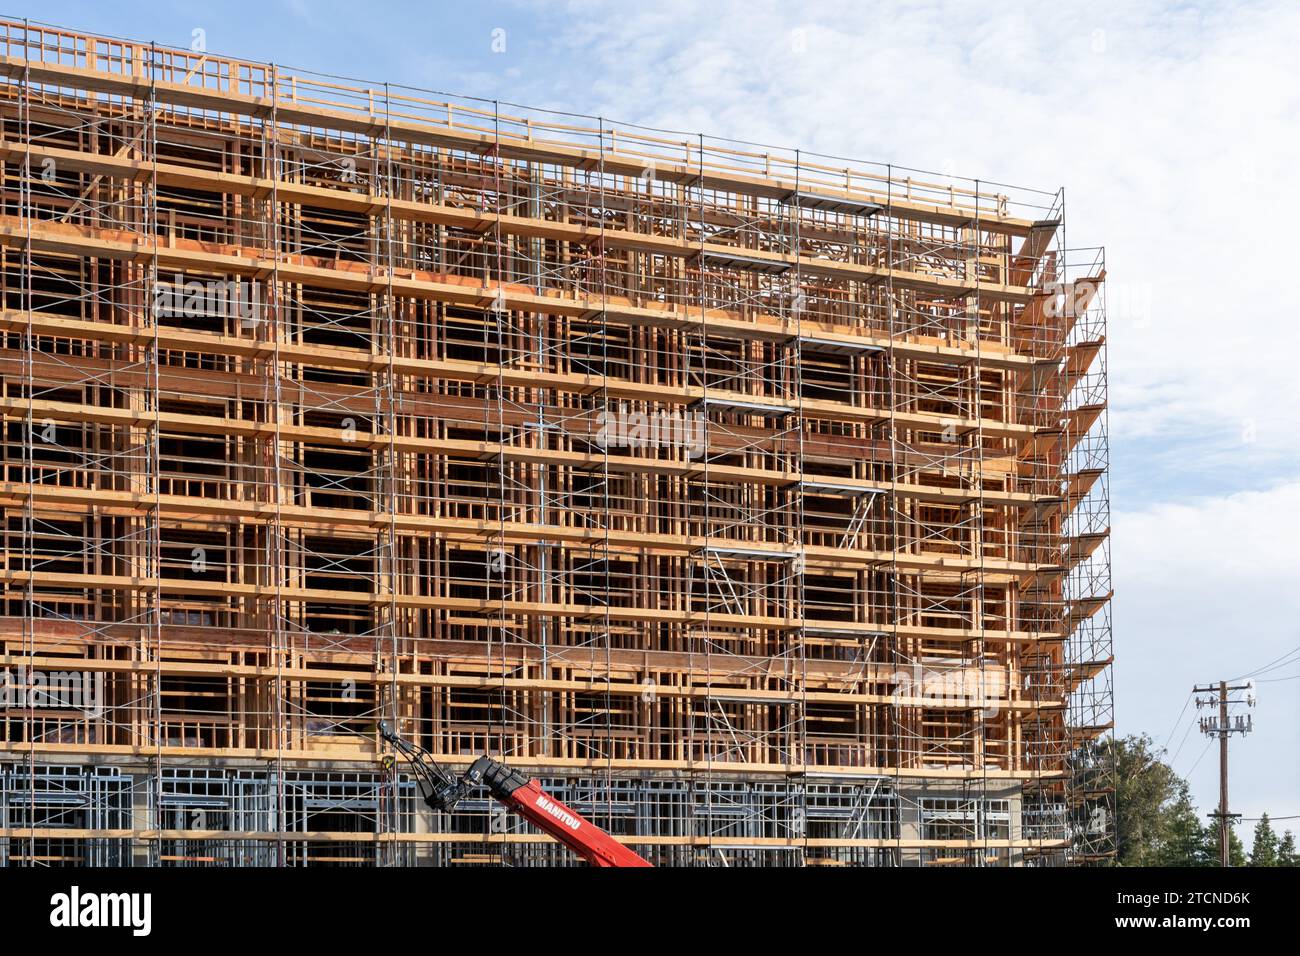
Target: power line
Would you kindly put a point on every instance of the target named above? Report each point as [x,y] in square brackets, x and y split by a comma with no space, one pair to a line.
[1278,666]
[1208,744]
[1284,655]
[1187,733]
[1169,736]
[1275,660]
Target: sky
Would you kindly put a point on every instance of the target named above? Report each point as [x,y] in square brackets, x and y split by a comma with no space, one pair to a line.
[1174,129]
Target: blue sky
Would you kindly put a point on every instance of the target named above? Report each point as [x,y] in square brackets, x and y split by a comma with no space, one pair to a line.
[1172,126]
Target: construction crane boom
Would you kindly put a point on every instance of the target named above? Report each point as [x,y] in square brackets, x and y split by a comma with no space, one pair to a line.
[442,791]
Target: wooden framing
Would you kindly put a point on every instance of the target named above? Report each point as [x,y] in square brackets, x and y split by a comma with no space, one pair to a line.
[668,470]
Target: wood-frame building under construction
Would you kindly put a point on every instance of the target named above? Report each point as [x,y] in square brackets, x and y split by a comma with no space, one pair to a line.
[755,503]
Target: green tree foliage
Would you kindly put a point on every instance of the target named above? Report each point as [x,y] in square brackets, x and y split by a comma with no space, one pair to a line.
[1236,850]
[1264,851]
[1184,842]
[1286,853]
[1158,825]
[1145,790]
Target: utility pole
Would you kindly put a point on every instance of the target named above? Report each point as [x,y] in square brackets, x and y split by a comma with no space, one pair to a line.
[1219,725]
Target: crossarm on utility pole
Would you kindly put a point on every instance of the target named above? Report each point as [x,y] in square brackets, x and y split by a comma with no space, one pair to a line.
[1222,727]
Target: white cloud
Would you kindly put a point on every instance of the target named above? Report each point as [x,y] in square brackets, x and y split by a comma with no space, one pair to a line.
[1174,130]
[1209,590]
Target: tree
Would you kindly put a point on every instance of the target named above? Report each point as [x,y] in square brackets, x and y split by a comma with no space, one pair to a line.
[1156,824]
[1264,852]
[1184,842]
[1236,850]
[1286,853]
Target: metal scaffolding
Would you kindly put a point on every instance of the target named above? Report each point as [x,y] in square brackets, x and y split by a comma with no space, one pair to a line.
[756,503]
